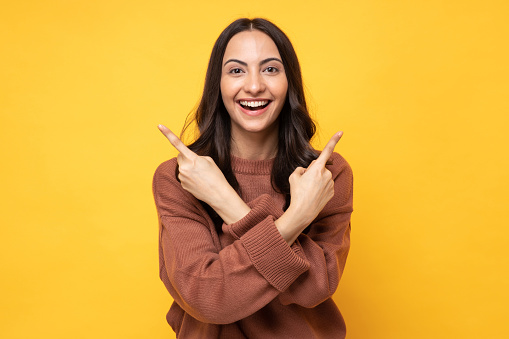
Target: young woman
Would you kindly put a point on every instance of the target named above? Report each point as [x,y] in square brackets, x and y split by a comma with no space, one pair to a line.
[254,224]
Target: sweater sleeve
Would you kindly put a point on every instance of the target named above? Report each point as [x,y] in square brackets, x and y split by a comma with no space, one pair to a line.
[214,284]
[325,244]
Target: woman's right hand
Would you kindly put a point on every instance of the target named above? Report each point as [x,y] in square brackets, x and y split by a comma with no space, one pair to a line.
[310,189]
[200,176]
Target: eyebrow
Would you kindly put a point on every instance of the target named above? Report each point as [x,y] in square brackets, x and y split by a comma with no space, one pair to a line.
[245,64]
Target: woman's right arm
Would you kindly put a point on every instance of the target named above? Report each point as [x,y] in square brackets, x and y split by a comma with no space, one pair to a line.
[214,284]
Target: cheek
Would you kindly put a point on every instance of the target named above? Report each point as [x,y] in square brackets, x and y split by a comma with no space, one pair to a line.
[227,96]
[222,88]
[228,91]
[224,94]
[280,88]
[282,94]
[285,86]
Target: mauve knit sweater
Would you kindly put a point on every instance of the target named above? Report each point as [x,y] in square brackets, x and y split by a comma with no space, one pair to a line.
[246,281]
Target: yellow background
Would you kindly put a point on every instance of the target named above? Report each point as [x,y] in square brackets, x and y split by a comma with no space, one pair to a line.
[419,87]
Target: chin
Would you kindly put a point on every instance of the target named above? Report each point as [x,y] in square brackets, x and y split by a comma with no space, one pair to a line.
[257,129]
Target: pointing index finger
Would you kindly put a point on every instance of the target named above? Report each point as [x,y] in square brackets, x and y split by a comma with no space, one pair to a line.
[328,149]
[176,142]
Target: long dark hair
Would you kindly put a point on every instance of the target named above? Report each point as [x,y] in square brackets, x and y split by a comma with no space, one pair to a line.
[296,128]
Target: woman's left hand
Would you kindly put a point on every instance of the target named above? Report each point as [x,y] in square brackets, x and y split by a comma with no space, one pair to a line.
[200,176]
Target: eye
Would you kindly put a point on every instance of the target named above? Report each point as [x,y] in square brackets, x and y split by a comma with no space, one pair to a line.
[235,71]
[271,69]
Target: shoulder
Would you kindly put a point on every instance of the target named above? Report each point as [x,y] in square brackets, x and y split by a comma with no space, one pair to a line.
[165,168]
[343,183]
[165,175]
[168,192]
[339,166]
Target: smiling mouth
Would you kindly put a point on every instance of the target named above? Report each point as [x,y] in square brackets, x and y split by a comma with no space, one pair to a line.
[254,105]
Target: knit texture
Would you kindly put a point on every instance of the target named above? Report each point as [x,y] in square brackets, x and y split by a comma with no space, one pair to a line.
[246,281]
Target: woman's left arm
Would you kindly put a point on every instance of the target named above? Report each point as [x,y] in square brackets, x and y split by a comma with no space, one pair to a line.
[325,244]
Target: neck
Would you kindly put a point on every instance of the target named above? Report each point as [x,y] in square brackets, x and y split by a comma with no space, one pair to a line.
[254,146]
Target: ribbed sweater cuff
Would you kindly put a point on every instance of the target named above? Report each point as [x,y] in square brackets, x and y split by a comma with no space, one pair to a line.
[297,248]
[277,262]
[261,208]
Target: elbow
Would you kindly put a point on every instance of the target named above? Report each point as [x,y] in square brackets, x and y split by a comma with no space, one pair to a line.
[305,297]
[211,305]
[219,314]
[321,294]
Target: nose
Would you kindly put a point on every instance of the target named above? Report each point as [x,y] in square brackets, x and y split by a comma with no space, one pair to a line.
[254,83]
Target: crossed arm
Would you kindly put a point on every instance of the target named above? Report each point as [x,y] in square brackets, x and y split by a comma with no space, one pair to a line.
[310,188]
[227,285]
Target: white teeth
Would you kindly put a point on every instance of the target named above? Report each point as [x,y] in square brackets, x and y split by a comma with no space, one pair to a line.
[254,103]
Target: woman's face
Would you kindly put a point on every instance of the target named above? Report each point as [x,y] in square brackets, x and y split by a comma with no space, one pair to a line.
[253,83]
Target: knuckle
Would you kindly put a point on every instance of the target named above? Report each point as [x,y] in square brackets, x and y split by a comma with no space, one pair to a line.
[295,174]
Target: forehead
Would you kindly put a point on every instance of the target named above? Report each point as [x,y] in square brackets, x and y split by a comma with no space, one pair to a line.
[250,46]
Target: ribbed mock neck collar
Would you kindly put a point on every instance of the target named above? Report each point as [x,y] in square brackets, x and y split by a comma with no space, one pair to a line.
[255,167]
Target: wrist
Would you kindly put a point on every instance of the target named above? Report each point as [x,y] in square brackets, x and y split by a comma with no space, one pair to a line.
[291,224]
[230,207]
[299,216]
